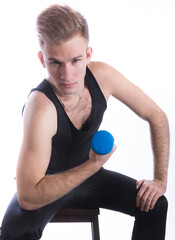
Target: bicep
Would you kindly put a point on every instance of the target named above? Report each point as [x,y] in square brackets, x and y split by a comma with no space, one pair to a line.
[33,159]
[36,147]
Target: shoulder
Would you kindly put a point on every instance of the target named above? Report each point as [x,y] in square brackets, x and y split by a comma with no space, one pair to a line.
[106,76]
[103,70]
[39,111]
[38,103]
[98,68]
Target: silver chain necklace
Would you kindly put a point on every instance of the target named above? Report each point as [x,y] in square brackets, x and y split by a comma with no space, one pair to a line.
[71,109]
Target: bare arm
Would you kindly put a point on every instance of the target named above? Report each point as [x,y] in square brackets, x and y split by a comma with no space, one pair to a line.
[150,191]
[34,188]
[114,83]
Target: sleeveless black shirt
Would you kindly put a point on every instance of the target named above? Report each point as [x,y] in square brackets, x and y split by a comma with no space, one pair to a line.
[70,146]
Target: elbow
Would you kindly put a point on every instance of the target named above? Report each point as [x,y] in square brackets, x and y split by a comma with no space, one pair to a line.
[158,118]
[163,119]
[26,204]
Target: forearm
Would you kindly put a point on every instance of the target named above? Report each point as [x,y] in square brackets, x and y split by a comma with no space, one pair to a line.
[52,187]
[160,144]
[150,190]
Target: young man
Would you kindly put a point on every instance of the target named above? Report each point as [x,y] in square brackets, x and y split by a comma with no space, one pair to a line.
[55,168]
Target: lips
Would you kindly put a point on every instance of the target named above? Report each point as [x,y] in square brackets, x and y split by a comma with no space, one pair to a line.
[67,85]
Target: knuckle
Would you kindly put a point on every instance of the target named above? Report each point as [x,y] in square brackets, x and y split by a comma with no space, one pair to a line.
[149,199]
[139,195]
[143,199]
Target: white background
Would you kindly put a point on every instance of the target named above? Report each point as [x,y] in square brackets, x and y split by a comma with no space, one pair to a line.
[137,37]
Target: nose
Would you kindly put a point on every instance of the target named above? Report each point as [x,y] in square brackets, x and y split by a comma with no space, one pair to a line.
[66,73]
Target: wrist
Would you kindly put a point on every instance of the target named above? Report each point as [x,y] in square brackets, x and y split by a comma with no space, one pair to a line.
[163,182]
[161,176]
[93,166]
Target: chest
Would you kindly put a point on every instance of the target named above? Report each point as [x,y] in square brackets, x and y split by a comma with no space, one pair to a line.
[81,114]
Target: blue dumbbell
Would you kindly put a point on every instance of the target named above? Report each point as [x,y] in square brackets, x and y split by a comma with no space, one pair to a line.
[102,142]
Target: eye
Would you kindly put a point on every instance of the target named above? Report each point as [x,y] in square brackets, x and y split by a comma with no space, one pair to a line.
[54,62]
[76,60]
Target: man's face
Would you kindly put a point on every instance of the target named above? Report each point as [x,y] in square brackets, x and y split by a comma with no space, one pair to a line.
[66,64]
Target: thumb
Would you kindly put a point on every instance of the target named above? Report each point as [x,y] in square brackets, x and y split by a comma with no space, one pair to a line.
[139,183]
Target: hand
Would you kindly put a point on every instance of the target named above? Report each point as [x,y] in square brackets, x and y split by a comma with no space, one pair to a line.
[149,192]
[100,160]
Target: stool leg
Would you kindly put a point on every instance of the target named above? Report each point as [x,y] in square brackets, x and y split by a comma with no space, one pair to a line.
[95,229]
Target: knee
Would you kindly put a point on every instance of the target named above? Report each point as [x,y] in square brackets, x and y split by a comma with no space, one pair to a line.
[161,205]
[157,213]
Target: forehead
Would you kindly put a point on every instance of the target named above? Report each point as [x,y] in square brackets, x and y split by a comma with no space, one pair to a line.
[75,45]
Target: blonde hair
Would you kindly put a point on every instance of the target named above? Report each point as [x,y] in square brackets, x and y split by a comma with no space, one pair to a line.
[58,23]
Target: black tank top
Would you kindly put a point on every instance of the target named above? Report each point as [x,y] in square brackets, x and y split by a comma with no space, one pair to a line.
[70,146]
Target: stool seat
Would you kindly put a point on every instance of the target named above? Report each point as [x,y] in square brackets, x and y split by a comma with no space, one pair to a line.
[80,215]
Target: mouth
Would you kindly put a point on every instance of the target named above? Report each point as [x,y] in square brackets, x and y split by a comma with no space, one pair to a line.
[67,85]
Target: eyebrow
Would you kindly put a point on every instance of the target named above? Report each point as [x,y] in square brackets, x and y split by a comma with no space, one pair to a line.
[54,59]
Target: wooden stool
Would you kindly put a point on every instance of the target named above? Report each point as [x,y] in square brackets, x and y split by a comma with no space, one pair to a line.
[80,215]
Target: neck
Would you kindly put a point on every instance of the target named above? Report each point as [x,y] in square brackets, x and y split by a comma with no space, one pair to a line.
[71,103]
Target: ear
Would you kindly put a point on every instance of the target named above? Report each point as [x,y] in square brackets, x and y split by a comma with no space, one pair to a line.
[89,54]
[41,58]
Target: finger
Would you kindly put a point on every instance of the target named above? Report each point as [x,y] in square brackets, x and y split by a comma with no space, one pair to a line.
[140,193]
[145,200]
[149,201]
[114,148]
[139,183]
[154,200]
[112,151]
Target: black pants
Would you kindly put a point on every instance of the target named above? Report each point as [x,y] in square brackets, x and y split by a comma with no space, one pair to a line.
[106,189]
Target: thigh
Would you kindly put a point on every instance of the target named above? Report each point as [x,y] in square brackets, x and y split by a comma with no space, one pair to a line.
[110,190]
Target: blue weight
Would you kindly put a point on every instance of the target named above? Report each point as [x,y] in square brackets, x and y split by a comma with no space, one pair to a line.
[102,142]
